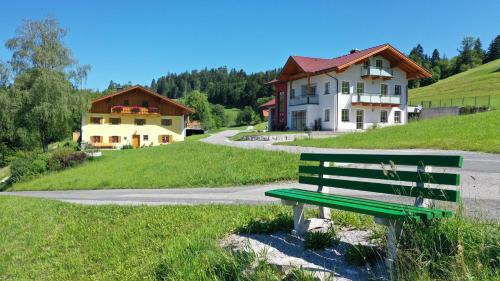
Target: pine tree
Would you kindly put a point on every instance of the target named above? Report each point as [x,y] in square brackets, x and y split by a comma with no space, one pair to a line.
[435,58]
[153,86]
[493,52]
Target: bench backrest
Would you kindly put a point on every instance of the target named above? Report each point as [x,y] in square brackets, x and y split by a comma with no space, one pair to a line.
[409,183]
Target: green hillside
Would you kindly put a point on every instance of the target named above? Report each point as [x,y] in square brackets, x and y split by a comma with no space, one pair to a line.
[475,132]
[481,81]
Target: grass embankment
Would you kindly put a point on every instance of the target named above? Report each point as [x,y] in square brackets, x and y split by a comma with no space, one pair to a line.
[481,81]
[50,240]
[184,164]
[475,132]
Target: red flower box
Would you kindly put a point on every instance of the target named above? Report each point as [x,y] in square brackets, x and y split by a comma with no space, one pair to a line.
[135,108]
[117,108]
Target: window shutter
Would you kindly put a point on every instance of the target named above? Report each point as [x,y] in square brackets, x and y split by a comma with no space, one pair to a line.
[119,139]
[159,138]
[110,139]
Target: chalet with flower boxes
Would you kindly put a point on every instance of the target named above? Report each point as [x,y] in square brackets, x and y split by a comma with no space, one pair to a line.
[134,116]
[357,91]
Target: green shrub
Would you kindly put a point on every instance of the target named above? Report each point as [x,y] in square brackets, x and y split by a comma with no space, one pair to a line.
[5,155]
[127,146]
[317,240]
[362,254]
[64,158]
[27,165]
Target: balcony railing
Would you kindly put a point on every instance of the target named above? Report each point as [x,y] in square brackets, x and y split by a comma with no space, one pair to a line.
[308,99]
[374,71]
[376,99]
[119,109]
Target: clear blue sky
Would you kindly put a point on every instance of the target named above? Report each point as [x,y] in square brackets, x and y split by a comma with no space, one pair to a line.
[140,40]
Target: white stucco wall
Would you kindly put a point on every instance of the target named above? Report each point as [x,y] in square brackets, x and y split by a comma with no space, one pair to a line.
[327,101]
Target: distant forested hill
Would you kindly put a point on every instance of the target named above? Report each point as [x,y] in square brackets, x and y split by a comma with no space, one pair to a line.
[227,87]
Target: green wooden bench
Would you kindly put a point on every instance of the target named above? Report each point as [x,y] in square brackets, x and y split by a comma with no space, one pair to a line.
[401,175]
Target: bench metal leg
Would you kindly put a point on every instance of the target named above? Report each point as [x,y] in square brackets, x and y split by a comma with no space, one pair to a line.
[394,230]
[324,212]
[298,219]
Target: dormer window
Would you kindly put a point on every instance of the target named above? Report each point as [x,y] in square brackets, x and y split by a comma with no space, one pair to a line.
[378,63]
[125,103]
[367,63]
[145,104]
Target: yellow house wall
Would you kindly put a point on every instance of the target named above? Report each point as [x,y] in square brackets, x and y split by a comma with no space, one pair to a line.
[153,128]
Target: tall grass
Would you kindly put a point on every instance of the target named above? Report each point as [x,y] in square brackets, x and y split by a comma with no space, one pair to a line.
[476,132]
[183,164]
[450,249]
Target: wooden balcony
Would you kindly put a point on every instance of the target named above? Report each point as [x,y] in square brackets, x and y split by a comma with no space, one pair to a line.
[135,110]
[375,100]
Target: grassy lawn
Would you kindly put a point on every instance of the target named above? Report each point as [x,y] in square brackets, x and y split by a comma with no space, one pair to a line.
[49,240]
[261,126]
[476,132]
[231,114]
[184,164]
[480,81]
[239,136]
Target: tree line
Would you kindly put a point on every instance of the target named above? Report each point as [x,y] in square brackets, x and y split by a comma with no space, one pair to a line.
[470,55]
[228,87]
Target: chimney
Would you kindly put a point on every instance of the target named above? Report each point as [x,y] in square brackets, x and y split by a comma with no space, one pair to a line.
[354,51]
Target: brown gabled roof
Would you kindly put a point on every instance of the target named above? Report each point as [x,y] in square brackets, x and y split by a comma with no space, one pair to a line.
[268,104]
[313,66]
[185,108]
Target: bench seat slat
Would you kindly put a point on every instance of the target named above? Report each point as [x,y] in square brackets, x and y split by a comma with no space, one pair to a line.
[454,161]
[353,207]
[402,190]
[409,176]
[429,213]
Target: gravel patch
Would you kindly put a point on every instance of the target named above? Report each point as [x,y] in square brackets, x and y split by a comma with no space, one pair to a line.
[287,253]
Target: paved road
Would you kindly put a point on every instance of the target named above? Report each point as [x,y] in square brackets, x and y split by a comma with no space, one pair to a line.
[480,190]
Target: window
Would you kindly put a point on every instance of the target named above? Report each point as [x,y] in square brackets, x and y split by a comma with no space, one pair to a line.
[327,88]
[164,139]
[378,63]
[96,120]
[360,88]
[115,121]
[397,90]
[327,115]
[114,139]
[166,122]
[397,116]
[312,90]
[292,94]
[366,63]
[345,87]
[140,122]
[145,137]
[125,103]
[383,116]
[281,101]
[96,139]
[345,115]
[145,104]
[383,89]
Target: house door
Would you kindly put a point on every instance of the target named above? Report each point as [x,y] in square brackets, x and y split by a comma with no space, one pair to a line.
[359,119]
[136,141]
